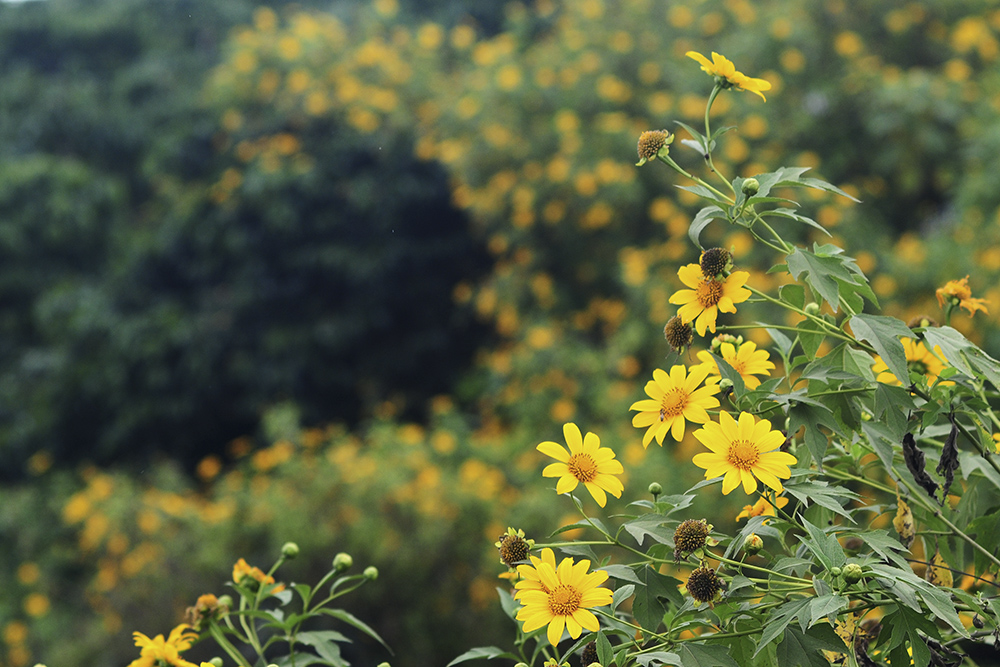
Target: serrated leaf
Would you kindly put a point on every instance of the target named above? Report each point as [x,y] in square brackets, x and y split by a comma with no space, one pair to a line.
[651,525]
[905,625]
[825,547]
[825,605]
[783,342]
[782,616]
[804,649]
[962,354]
[883,333]
[355,622]
[326,649]
[705,655]
[792,215]
[657,658]
[648,606]
[605,653]
[623,572]
[483,653]
[822,494]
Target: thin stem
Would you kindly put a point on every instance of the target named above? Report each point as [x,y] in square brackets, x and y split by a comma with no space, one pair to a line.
[669,161]
[738,564]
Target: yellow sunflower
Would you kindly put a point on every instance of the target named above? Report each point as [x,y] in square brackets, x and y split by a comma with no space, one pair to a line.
[708,296]
[560,596]
[743,451]
[958,293]
[586,462]
[762,508]
[673,399]
[918,358]
[721,66]
[748,361]
[157,652]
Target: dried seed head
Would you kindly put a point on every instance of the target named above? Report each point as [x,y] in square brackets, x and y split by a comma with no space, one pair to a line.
[690,536]
[704,584]
[715,261]
[678,334]
[650,143]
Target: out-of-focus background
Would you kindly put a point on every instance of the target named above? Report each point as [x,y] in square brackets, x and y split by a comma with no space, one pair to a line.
[328,271]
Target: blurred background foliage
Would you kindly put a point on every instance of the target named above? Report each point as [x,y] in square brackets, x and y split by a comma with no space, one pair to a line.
[327,272]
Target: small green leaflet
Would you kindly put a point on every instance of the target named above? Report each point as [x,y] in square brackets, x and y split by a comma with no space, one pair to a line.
[701,220]
[829,273]
[484,653]
[826,547]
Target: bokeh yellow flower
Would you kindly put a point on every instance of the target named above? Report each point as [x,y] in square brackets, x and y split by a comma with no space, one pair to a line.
[958,292]
[560,597]
[158,652]
[918,359]
[762,508]
[708,296]
[748,361]
[673,399]
[742,452]
[586,462]
[723,67]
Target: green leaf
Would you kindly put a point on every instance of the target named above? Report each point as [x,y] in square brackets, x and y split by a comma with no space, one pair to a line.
[811,335]
[891,407]
[783,342]
[783,615]
[508,603]
[804,649]
[605,654]
[651,525]
[325,648]
[904,624]
[794,294]
[803,414]
[648,606]
[655,658]
[883,333]
[701,220]
[963,354]
[826,547]
[621,594]
[353,621]
[702,192]
[727,372]
[792,215]
[823,606]
[812,492]
[623,572]
[705,655]
[484,653]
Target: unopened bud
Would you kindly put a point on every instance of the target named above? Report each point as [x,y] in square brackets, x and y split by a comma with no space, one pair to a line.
[383,664]
[852,573]
[226,601]
[812,308]
[753,544]
[655,489]
[371,573]
[342,562]
[751,186]
[289,550]
[216,662]
[835,571]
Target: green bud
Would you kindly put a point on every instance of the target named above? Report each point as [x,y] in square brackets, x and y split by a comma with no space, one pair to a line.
[289,550]
[655,489]
[226,601]
[753,544]
[371,573]
[835,571]
[751,186]
[852,573]
[812,308]
[342,562]
[216,661]
[383,664]
[725,384]
[521,664]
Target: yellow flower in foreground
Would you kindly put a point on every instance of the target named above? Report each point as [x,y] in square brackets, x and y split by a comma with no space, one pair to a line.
[743,451]
[762,508]
[918,359]
[586,462]
[723,67]
[158,651]
[958,292]
[708,296]
[673,399]
[559,596]
[748,361]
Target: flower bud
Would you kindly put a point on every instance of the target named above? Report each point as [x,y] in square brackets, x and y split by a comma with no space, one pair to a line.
[371,573]
[521,664]
[383,664]
[751,186]
[835,571]
[812,308]
[725,385]
[977,622]
[226,601]
[216,662]
[342,562]
[753,544]
[852,573]
[655,489]
[289,550]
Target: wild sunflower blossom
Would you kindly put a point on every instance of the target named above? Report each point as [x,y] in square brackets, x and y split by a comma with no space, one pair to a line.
[560,596]
[958,292]
[762,508]
[724,68]
[157,652]
[748,361]
[708,296]
[742,452]
[918,359]
[586,462]
[673,400]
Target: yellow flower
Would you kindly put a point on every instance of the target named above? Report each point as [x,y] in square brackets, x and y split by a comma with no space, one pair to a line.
[723,67]
[762,508]
[673,399]
[708,296]
[560,596]
[958,292]
[743,451]
[586,461]
[158,651]
[918,359]
[242,572]
[748,361]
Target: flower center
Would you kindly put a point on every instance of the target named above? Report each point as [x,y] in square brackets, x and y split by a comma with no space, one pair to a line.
[583,467]
[918,366]
[742,454]
[564,600]
[673,404]
[709,292]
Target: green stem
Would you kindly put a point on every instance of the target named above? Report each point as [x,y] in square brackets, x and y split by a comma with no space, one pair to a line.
[708,138]
[226,645]
[738,564]
[669,161]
